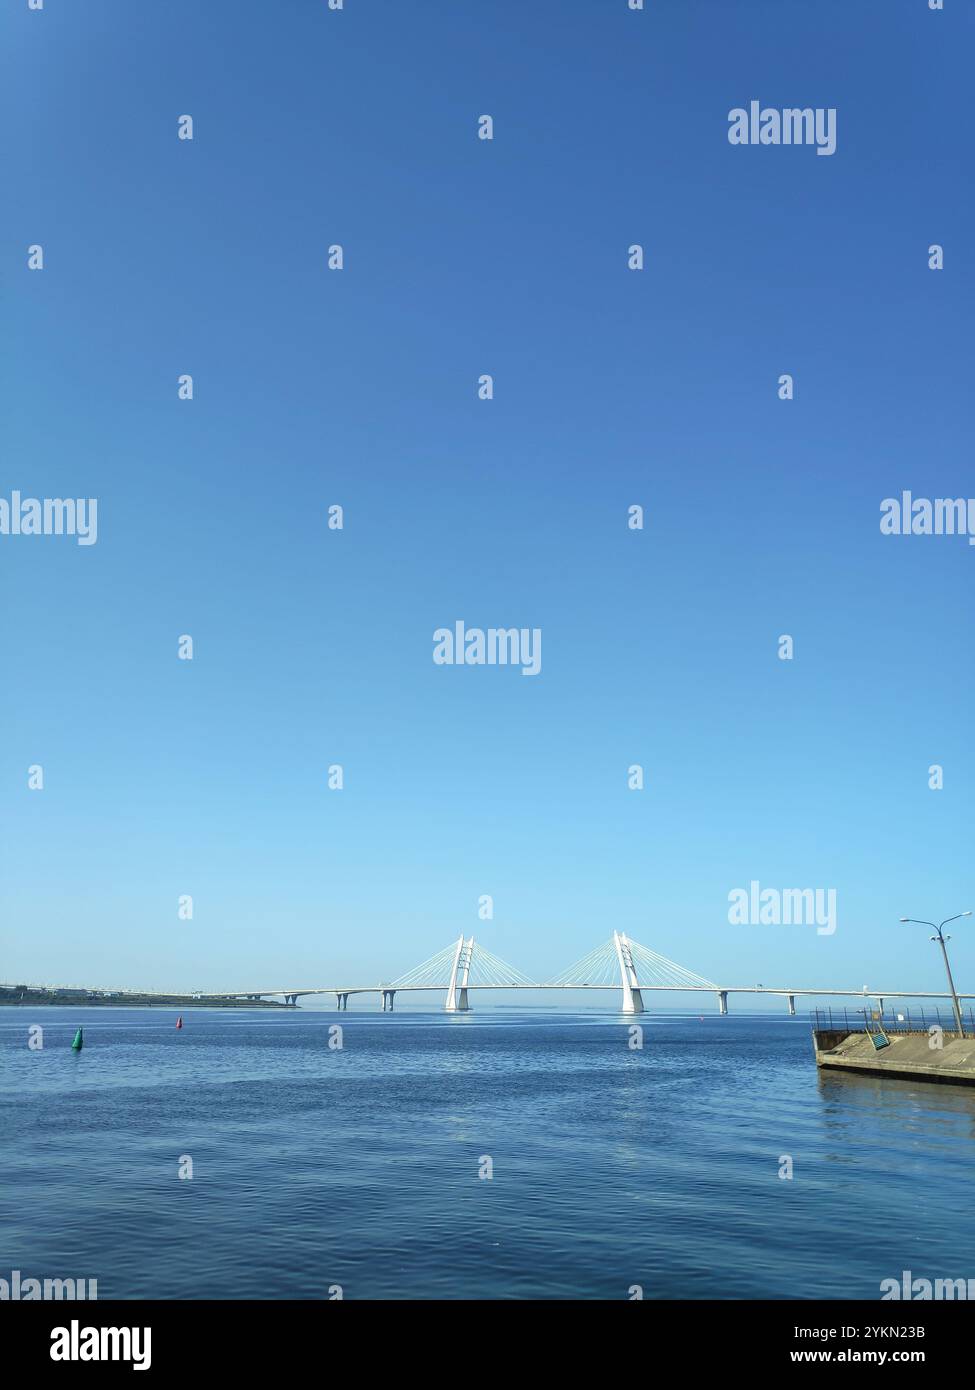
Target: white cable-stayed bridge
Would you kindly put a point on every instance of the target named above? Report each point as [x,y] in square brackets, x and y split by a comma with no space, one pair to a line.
[619,964]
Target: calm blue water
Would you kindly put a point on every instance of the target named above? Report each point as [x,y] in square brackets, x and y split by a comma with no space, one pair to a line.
[315,1167]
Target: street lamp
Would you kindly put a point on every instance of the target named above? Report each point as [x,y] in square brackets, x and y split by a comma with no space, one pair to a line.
[941,939]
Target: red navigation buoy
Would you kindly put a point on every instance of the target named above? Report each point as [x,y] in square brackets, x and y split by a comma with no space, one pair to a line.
[179,1021]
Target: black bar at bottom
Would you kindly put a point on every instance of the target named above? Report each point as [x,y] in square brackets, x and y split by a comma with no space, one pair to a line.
[292,1338]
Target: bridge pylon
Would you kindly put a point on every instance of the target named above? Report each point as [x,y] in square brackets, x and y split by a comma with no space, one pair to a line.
[456,1000]
[632,997]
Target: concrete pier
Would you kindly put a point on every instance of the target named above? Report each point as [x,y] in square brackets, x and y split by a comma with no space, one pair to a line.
[915,1056]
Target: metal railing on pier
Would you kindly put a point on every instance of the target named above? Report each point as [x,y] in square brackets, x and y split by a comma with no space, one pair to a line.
[905,1020]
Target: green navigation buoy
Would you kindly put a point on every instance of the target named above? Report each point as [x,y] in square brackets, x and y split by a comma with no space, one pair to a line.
[79,1041]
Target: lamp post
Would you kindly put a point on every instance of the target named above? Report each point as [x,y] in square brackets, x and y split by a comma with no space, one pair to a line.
[941,938]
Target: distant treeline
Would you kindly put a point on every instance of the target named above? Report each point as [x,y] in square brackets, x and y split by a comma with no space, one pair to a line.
[32,995]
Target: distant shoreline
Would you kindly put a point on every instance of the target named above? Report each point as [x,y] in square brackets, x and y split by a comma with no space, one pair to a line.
[34,999]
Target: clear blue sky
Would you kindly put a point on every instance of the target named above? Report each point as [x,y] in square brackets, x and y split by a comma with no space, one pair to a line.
[357,387]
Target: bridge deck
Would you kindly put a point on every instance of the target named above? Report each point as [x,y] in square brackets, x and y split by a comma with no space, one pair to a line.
[645,989]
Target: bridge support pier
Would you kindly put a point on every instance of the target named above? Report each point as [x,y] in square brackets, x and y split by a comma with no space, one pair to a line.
[792,1004]
[632,1002]
[388,999]
[341,1001]
[722,1001]
[456,1000]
